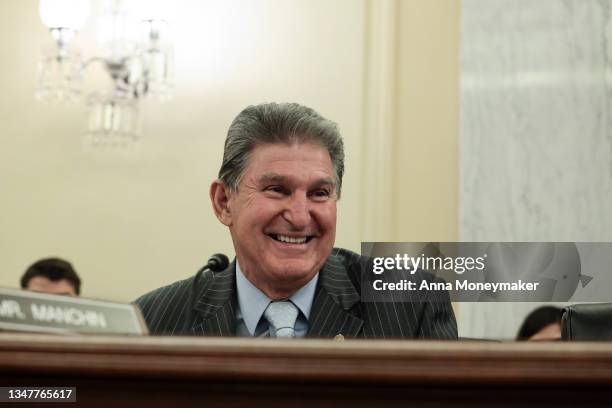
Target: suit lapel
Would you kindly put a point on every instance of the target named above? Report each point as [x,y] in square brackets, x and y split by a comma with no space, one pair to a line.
[334,297]
[215,305]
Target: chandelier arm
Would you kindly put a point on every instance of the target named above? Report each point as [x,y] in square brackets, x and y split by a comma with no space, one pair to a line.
[140,87]
[92,60]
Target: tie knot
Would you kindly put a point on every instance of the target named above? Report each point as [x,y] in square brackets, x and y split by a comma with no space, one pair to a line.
[281,315]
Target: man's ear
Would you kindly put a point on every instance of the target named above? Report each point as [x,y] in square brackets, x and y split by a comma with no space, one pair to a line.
[220,197]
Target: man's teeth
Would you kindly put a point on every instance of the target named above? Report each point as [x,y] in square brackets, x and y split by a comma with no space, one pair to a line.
[291,240]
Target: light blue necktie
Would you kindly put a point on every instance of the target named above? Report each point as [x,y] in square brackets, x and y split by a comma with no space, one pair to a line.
[281,316]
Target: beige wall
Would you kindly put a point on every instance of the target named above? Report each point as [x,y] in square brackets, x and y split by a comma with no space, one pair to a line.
[427,156]
[386,71]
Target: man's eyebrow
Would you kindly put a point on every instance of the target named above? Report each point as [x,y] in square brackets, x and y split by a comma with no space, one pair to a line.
[278,178]
[326,181]
[272,178]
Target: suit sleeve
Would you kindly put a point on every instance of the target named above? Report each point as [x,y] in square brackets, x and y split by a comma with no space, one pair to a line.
[438,318]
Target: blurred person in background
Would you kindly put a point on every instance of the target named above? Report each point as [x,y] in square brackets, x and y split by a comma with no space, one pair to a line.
[543,323]
[52,275]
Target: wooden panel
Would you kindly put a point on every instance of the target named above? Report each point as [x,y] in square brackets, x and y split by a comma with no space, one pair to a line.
[157,370]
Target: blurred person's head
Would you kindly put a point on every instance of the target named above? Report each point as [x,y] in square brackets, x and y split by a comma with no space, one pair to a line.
[543,323]
[52,275]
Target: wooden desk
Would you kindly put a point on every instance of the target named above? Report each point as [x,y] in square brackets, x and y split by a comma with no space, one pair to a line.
[166,371]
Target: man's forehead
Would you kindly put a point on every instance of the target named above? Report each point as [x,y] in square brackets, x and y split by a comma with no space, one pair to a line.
[43,284]
[295,160]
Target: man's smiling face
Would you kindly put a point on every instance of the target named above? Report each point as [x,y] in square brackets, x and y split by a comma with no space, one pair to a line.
[283,217]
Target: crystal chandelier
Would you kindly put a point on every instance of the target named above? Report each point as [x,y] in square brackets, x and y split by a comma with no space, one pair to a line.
[135,56]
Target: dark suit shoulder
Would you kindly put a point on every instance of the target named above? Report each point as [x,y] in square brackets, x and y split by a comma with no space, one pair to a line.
[162,307]
[356,264]
[148,300]
[351,264]
[345,256]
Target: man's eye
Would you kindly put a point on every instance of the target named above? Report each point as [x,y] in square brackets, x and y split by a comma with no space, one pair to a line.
[321,194]
[275,189]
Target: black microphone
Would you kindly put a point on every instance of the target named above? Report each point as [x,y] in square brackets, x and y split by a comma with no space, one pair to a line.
[216,263]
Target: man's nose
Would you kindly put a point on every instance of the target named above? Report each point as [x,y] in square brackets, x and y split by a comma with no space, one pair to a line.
[297,212]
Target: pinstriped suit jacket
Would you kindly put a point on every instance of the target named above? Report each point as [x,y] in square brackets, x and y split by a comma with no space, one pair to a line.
[209,308]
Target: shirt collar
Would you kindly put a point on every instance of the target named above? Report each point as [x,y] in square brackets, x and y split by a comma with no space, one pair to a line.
[253,302]
[304,296]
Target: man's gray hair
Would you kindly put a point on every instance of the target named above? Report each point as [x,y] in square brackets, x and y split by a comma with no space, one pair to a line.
[286,123]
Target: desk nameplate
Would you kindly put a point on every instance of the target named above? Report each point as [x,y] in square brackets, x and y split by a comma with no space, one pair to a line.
[28,311]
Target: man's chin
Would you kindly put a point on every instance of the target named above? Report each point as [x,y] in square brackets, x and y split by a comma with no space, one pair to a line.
[294,272]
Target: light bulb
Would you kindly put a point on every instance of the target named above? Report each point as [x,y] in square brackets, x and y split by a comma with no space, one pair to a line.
[70,14]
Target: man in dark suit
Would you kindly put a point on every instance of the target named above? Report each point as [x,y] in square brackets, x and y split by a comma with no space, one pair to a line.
[278,185]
